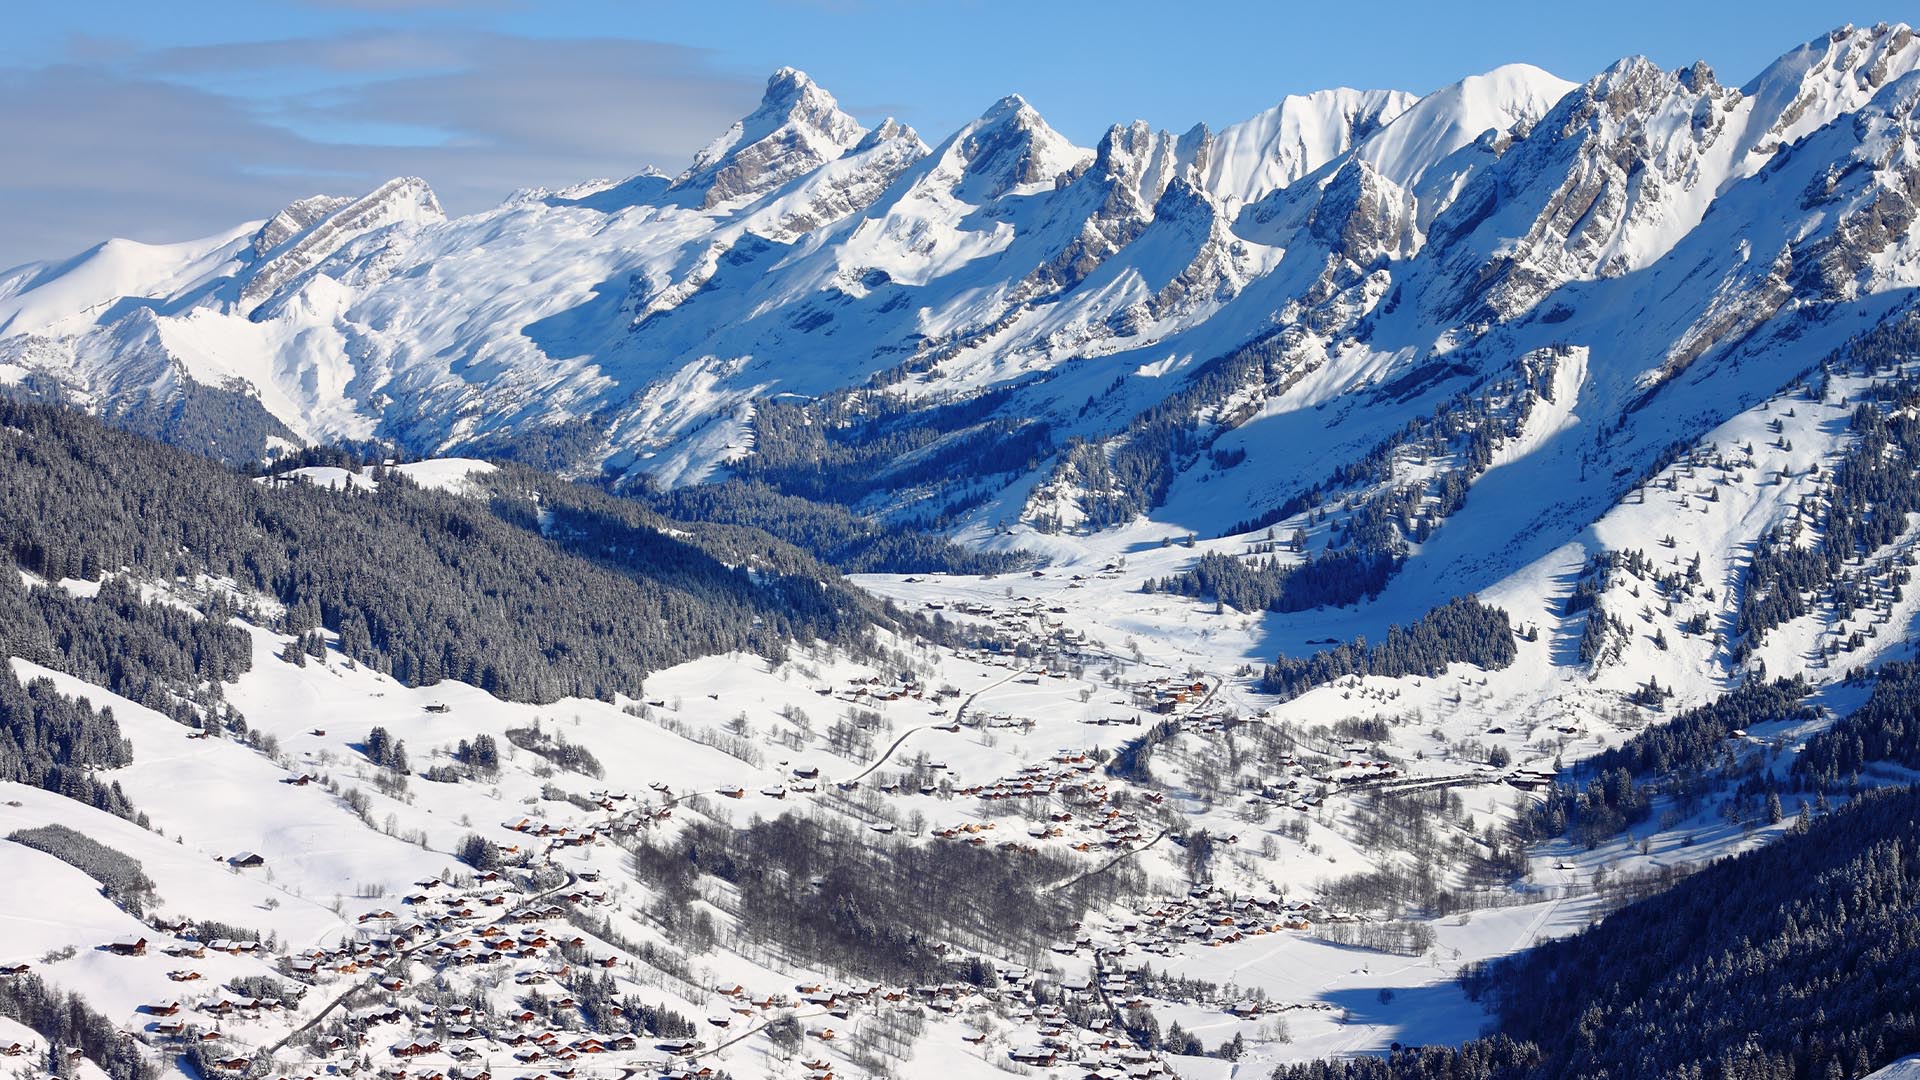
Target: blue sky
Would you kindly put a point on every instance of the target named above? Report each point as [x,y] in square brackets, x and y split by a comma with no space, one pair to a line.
[169,120]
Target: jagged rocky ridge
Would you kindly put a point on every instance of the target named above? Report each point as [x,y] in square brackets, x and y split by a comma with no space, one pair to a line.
[1134,313]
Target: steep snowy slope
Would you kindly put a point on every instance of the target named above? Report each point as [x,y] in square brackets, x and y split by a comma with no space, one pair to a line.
[1323,272]
[1625,166]
[800,253]
[37,297]
[797,128]
[1427,131]
[1245,161]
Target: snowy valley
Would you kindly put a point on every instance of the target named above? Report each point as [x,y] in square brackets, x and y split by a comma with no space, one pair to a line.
[1276,598]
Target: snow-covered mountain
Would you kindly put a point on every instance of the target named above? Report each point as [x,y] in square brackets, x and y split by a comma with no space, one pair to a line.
[1657,221]
[1593,407]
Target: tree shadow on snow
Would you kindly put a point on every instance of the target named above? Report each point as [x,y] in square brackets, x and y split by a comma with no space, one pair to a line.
[1438,1013]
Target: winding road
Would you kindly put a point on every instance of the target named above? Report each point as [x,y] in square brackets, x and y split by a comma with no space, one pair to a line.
[402,954]
[959,712]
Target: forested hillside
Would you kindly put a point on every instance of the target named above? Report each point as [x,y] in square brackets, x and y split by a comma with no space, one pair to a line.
[1884,731]
[168,658]
[1461,630]
[1799,961]
[421,584]
[833,533]
[1620,783]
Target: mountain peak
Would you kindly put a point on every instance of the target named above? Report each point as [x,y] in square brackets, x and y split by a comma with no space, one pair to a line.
[789,76]
[299,216]
[1012,144]
[1834,73]
[312,229]
[1011,110]
[887,129]
[1623,75]
[797,127]
[1455,115]
[1247,160]
[789,89]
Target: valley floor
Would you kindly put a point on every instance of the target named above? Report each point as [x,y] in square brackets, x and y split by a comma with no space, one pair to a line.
[387,952]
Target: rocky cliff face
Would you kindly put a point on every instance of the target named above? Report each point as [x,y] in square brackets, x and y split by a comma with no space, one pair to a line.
[797,128]
[1211,284]
[1628,163]
[305,234]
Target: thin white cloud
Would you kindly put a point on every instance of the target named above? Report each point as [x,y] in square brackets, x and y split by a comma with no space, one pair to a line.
[153,145]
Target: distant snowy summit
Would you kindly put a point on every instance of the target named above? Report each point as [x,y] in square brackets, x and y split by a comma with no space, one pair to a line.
[1007,287]
[800,252]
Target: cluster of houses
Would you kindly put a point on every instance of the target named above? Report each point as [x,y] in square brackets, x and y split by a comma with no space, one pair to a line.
[177,1021]
[1302,789]
[527,938]
[1532,779]
[1291,786]
[626,815]
[556,836]
[520,1035]
[1084,801]
[561,1048]
[487,920]
[491,920]
[1356,767]
[451,927]
[1207,915]
[1111,1063]
[1068,769]
[1027,621]
[870,690]
[521,943]
[1166,694]
[1050,1038]
[1095,1049]
[187,947]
